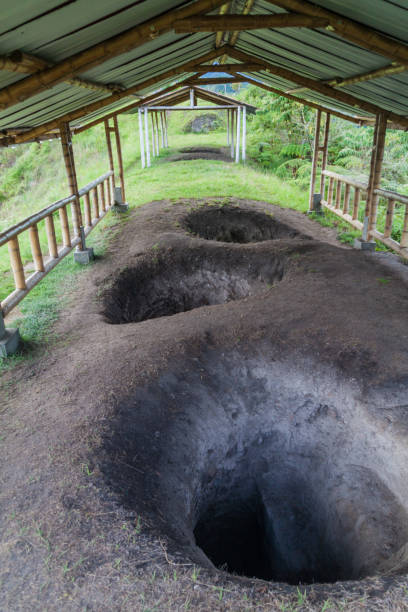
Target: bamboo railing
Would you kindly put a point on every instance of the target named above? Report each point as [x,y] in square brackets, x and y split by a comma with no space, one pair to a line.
[102,199]
[342,196]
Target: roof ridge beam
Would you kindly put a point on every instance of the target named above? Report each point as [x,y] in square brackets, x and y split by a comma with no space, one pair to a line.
[235,23]
[322,88]
[99,53]
[360,35]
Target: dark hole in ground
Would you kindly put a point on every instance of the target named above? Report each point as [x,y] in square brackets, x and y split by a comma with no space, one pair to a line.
[246,461]
[163,286]
[190,153]
[233,224]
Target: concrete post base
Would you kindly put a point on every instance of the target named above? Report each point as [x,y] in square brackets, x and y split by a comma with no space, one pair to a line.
[119,205]
[85,256]
[9,339]
[316,205]
[364,245]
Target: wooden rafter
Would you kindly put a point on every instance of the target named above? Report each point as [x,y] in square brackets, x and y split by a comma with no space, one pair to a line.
[129,107]
[358,120]
[359,78]
[100,53]
[220,34]
[359,34]
[95,106]
[235,23]
[322,88]
[25,63]
[216,81]
[229,67]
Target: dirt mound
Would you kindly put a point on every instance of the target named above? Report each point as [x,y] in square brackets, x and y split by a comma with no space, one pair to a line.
[233,224]
[163,463]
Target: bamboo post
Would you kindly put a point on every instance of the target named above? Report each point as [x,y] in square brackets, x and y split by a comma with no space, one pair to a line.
[95,202]
[330,191]
[404,234]
[325,149]
[232,133]
[237,149]
[16,263]
[356,203]
[191,97]
[52,241]
[156,120]
[375,175]
[66,237]
[141,138]
[119,154]
[228,127]
[244,133]
[338,195]
[67,150]
[147,138]
[153,135]
[110,154]
[102,194]
[36,248]
[314,160]
[346,202]
[162,129]
[389,218]
[88,217]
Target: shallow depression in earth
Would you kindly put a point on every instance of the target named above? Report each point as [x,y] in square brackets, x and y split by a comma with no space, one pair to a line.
[166,285]
[233,224]
[258,471]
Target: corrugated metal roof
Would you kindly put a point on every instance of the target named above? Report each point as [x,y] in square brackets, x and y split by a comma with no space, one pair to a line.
[55,31]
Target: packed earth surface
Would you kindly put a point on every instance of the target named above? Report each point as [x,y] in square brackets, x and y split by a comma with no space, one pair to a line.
[222,425]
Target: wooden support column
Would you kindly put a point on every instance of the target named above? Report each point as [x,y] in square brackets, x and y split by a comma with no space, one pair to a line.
[377,156]
[244,133]
[119,154]
[67,150]
[146,123]
[141,137]
[110,155]
[325,150]
[191,97]
[315,159]
[238,145]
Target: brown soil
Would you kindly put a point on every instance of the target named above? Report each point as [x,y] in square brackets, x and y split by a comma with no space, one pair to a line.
[189,153]
[91,503]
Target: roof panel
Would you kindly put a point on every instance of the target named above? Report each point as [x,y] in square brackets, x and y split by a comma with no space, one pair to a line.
[56,30]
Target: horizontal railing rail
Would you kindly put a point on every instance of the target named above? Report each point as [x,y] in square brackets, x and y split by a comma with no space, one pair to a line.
[42,226]
[342,195]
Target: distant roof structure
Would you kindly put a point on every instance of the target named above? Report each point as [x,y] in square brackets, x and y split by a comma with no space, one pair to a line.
[181,95]
[76,61]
